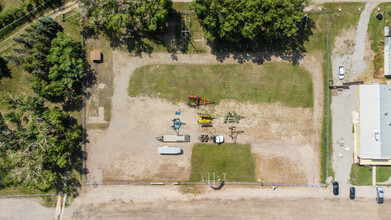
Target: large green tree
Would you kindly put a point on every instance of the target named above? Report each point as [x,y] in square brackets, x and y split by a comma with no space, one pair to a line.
[234,20]
[53,58]
[64,77]
[117,15]
[36,142]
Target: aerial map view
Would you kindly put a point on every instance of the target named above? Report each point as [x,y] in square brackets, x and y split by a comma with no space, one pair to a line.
[195,109]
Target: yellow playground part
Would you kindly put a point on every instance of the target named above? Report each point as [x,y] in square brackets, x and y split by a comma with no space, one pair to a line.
[205,118]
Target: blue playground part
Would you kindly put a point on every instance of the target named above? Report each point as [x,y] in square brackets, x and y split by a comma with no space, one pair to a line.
[176,123]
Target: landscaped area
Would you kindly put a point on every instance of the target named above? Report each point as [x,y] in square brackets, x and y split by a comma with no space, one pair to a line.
[233,159]
[361,175]
[271,82]
[383,173]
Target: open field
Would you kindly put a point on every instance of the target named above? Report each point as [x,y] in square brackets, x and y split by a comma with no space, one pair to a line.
[271,82]
[233,159]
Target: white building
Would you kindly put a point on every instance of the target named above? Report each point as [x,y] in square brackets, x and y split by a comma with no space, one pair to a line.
[373,134]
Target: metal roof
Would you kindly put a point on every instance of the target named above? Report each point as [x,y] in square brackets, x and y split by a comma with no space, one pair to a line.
[387,56]
[375,121]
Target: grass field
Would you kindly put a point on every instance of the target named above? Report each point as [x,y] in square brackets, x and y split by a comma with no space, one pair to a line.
[360,175]
[271,82]
[233,159]
[383,173]
[376,34]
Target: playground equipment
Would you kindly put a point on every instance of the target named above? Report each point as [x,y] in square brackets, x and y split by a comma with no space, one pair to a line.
[196,101]
[232,118]
[205,120]
[234,133]
[176,124]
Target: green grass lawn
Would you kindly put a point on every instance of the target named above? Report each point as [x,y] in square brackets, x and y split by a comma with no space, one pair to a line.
[383,173]
[361,175]
[271,82]
[376,33]
[233,159]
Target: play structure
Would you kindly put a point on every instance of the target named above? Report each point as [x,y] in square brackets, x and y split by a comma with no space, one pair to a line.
[232,118]
[234,133]
[205,120]
[176,124]
[196,101]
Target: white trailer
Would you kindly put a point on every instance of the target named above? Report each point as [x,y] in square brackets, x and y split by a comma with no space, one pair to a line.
[169,150]
[174,138]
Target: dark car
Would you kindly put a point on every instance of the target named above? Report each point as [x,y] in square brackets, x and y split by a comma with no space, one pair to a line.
[336,188]
[352,194]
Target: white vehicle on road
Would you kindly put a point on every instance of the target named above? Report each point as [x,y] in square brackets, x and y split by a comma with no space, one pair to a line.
[341,72]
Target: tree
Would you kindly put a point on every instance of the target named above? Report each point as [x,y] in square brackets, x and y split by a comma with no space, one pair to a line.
[35,44]
[54,59]
[234,20]
[115,15]
[36,146]
[64,78]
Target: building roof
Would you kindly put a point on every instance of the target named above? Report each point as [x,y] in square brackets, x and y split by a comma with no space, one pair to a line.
[96,55]
[375,121]
[387,56]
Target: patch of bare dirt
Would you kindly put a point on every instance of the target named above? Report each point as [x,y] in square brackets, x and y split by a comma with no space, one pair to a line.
[345,42]
[379,73]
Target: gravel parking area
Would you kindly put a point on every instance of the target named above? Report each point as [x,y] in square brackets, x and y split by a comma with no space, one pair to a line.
[27,208]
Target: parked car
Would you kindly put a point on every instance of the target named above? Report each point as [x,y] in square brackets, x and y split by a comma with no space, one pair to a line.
[352,193]
[380,195]
[335,188]
[341,73]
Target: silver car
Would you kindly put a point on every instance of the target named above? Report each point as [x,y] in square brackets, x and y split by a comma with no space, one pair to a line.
[341,73]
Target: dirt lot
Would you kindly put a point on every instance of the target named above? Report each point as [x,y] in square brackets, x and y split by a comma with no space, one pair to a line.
[148,202]
[284,140]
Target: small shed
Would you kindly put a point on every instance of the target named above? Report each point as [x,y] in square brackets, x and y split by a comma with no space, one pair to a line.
[96,56]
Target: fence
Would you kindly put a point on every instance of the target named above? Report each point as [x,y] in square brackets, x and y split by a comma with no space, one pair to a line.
[225,183]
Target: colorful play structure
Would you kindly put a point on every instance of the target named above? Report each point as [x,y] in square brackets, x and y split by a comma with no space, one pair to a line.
[176,124]
[196,101]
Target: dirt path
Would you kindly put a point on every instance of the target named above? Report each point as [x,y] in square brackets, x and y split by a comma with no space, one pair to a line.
[355,63]
[4,45]
[112,150]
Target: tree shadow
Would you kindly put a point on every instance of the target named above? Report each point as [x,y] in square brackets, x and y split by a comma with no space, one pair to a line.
[4,70]
[173,37]
[260,49]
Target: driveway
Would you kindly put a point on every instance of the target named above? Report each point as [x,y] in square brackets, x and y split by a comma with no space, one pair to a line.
[342,106]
